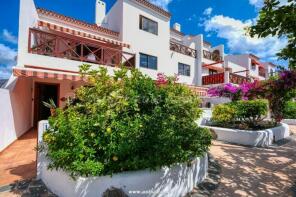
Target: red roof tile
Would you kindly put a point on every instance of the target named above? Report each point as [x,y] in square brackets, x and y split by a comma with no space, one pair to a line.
[154,7]
[77,22]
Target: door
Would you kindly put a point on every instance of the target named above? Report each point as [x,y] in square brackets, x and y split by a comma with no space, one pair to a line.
[44,92]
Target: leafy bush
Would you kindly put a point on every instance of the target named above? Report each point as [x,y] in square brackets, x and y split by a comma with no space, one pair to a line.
[223,113]
[125,123]
[290,110]
[250,113]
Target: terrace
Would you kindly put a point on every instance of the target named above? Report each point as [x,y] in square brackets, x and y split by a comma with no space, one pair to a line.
[179,48]
[214,56]
[72,47]
[219,78]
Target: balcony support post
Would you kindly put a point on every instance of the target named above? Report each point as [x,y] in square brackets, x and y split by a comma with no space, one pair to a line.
[226,75]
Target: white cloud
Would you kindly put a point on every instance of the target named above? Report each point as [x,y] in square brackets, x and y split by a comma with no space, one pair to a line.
[259,3]
[161,3]
[9,37]
[234,32]
[208,11]
[5,72]
[7,60]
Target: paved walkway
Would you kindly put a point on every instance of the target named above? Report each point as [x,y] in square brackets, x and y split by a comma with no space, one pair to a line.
[18,161]
[257,171]
[246,171]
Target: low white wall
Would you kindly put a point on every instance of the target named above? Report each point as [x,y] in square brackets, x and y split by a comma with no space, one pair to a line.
[15,112]
[6,117]
[262,138]
[176,181]
[289,121]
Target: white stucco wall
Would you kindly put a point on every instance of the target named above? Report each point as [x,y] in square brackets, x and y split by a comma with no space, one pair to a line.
[236,68]
[15,113]
[145,42]
[177,58]
[28,17]
[262,138]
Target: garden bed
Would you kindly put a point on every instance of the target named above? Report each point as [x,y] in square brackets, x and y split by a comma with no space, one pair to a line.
[259,138]
[176,181]
[127,132]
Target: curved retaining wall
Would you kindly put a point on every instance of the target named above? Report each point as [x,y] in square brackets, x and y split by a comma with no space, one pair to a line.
[175,181]
[263,138]
[289,121]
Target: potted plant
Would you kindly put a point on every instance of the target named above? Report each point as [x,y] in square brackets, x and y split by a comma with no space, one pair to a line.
[51,105]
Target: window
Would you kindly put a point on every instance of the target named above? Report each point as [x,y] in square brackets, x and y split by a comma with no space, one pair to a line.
[148,61]
[148,25]
[212,72]
[183,69]
[271,72]
[253,66]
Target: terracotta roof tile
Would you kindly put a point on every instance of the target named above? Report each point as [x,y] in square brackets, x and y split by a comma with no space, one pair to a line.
[154,7]
[177,32]
[77,22]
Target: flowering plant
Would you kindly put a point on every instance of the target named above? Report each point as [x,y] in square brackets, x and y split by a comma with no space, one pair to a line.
[277,91]
[233,92]
[162,79]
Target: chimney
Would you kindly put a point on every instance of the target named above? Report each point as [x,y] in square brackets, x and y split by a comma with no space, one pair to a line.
[177,27]
[100,12]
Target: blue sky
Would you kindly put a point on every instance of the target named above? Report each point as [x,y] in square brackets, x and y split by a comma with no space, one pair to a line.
[221,22]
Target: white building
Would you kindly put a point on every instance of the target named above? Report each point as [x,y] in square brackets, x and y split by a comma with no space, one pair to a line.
[134,33]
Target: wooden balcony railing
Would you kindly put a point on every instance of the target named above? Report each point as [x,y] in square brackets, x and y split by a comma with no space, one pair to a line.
[238,79]
[77,48]
[212,56]
[213,79]
[179,48]
[220,79]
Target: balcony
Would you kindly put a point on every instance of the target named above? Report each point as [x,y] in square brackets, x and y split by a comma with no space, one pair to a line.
[214,56]
[219,78]
[238,79]
[78,48]
[179,48]
[213,79]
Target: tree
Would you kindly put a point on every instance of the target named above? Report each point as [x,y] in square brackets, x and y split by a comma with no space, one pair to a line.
[279,20]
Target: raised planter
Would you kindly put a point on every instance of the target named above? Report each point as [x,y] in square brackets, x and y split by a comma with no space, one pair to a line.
[262,138]
[175,181]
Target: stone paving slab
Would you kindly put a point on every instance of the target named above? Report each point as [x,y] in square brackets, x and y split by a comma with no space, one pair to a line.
[256,171]
[27,188]
[234,171]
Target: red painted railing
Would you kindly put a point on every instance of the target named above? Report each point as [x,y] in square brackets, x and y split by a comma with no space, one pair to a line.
[219,79]
[213,79]
[77,48]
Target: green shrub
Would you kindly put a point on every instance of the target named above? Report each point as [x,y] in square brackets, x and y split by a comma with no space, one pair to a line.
[290,110]
[125,123]
[249,112]
[252,111]
[223,113]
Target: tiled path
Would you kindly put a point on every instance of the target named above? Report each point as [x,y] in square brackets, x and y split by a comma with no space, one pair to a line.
[245,171]
[18,161]
[257,171]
